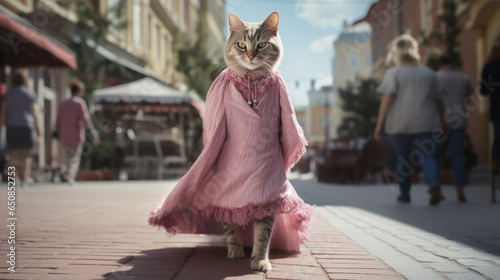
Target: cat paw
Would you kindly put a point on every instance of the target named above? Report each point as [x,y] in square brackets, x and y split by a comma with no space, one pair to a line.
[260,265]
[237,253]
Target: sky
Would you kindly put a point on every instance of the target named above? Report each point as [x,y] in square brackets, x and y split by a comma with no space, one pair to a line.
[307,29]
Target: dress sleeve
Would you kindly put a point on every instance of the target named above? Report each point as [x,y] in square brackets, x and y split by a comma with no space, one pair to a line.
[214,108]
[293,141]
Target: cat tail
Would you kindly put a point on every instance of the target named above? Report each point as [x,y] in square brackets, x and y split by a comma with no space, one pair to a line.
[293,141]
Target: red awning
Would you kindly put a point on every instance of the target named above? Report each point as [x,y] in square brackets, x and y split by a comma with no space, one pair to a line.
[25,46]
[368,14]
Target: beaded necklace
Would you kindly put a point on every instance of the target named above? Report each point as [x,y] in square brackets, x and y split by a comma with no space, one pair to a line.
[252,86]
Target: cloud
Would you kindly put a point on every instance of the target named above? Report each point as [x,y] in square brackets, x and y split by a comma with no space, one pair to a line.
[327,14]
[322,44]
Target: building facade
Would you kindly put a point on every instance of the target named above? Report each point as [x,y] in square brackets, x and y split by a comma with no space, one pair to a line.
[353,61]
[317,120]
[140,42]
[483,19]
[43,59]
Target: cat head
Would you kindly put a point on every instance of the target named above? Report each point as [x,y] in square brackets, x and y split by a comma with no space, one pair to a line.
[253,47]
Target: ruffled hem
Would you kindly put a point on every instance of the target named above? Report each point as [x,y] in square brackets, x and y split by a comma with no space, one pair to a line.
[199,221]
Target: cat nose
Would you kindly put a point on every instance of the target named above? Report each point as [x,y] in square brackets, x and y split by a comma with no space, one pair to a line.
[251,57]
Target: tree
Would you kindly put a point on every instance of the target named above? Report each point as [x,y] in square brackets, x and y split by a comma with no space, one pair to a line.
[194,62]
[360,103]
[452,30]
[89,32]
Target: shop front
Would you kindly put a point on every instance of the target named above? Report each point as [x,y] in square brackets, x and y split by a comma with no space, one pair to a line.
[155,127]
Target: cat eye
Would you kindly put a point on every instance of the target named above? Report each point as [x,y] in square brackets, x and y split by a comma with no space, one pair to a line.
[241,45]
[262,45]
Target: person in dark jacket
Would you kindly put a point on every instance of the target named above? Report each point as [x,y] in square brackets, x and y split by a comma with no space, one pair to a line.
[490,86]
[455,88]
[18,114]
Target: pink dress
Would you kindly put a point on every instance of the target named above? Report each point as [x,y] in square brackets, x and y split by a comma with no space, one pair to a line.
[241,174]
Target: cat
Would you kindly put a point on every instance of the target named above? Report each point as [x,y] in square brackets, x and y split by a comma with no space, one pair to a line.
[253,48]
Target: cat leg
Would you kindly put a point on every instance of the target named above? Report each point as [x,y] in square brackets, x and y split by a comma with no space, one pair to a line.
[261,237]
[234,242]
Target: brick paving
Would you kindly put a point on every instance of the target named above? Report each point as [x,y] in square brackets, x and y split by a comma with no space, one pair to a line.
[100,231]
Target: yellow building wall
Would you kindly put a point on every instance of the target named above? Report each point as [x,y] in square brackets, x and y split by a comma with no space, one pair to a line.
[485,21]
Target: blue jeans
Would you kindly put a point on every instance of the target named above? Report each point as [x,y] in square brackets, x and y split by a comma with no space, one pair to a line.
[496,139]
[457,139]
[407,157]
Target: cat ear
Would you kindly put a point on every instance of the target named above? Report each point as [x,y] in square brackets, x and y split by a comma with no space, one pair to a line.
[235,23]
[272,21]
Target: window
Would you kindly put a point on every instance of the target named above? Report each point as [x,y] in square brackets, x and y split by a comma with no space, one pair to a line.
[158,42]
[321,120]
[137,21]
[368,59]
[318,99]
[148,35]
[426,17]
[165,46]
[353,61]
[114,16]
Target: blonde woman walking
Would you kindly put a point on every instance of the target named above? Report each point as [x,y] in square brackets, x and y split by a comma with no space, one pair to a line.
[410,111]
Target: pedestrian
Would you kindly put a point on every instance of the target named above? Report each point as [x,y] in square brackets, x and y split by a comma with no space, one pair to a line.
[119,154]
[490,86]
[72,119]
[410,111]
[21,121]
[456,88]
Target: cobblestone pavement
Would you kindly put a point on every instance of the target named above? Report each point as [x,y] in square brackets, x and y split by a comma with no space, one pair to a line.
[100,231]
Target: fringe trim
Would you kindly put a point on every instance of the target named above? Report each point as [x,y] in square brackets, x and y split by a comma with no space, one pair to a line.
[198,221]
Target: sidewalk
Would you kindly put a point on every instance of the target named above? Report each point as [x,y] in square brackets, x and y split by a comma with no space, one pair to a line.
[100,231]
[449,241]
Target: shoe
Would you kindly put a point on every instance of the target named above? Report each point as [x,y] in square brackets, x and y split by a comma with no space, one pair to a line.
[436,196]
[29,181]
[460,194]
[63,178]
[404,199]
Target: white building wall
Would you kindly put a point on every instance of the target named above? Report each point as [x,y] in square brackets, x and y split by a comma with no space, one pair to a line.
[352,61]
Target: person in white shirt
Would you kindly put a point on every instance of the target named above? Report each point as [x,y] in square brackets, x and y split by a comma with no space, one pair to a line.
[410,110]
